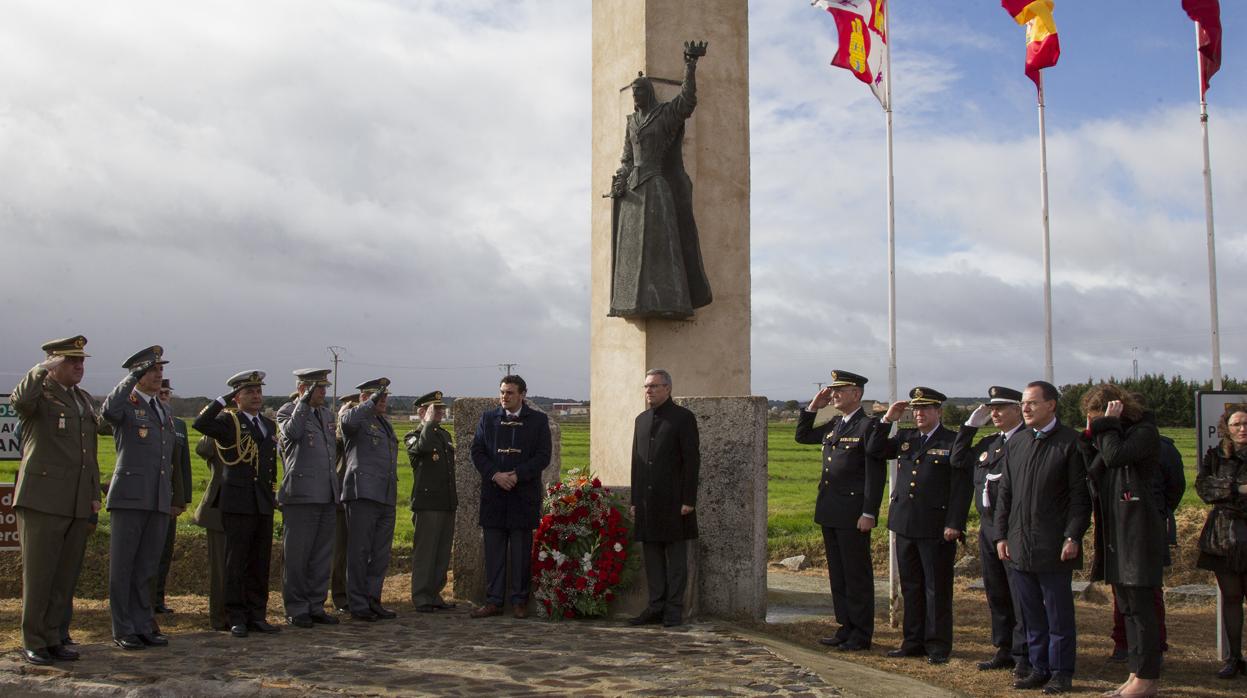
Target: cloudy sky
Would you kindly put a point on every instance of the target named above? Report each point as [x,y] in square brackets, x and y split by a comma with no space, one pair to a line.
[249,183]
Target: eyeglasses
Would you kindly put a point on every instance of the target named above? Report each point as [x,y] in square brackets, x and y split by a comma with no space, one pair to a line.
[655,386]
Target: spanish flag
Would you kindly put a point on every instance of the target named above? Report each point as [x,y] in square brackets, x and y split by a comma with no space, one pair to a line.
[1208,14]
[1043,47]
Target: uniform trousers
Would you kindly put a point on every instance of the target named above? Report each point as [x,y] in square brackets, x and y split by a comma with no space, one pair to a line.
[134,547]
[217,617]
[430,555]
[1138,606]
[248,547]
[369,535]
[52,549]
[852,578]
[1008,630]
[666,575]
[926,569]
[307,544]
[337,580]
[166,559]
[1047,604]
[508,553]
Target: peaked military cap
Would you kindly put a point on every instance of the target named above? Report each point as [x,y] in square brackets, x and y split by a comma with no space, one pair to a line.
[164,384]
[842,378]
[373,385]
[152,353]
[925,396]
[433,398]
[319,376]
[70,346]
[246,379]
[347,400]
[1000,395]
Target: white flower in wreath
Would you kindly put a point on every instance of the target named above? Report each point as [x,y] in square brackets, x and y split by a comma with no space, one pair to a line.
[618,548]
[559,557]
[543,556]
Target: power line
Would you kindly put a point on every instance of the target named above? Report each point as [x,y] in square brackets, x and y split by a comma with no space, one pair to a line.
[508,368]
[336,351]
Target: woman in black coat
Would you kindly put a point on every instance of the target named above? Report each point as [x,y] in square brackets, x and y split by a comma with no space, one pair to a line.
[1222,482]
[1122,447]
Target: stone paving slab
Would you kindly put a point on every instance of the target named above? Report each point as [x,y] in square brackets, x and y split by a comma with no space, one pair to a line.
[444,654]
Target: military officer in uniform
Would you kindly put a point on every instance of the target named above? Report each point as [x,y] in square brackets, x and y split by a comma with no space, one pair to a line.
[337,581]
[309,498]
[58,491]
[930,502]
[181,497]
[370,493]
[246,444]
[433,502]
[986,461]
[208,515]
[847,507]
[140,497]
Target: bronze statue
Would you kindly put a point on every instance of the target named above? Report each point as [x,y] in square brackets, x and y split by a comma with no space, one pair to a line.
[656,266]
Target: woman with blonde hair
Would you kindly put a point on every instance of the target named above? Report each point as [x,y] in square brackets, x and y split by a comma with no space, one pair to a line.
[1222,482]
[1122,447]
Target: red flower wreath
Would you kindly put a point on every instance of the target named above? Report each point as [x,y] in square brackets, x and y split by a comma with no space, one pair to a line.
[579,549]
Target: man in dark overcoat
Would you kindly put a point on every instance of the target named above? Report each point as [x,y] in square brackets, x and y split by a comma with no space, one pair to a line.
[246,444]
[986,460]
[510,448]
[930,502]
[1043,511]
[666,460]
[849,493]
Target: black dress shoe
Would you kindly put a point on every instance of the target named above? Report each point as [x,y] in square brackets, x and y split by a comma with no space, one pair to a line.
[161,608]
[444,606]
[324,619]
[261,626]
[39,657]
[302,620]
[853,646]
[1000,661]
[1022,670]
[1035,679]
[1231,669]
[342,609]
[129,642]
[239,630]
[646,618]
[62,653]
[937,659]
[153,639]
[673,622]
[221,628]
[1059,683]
[366,616]
[907,652]
[833,641]
[1119,655]
[383,613]
[426,608]
[68,641]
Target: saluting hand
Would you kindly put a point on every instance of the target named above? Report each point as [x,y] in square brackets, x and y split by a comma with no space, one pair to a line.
[1113,408]
[821,399]
[895,410]
[980,416]
[52,362]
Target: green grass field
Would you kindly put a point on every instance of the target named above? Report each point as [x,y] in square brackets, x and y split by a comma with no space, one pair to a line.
[793,477]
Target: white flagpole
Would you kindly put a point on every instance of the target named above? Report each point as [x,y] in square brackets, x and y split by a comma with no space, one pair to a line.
[894,583]
[1212,252]
[1047,252]
[1215,332]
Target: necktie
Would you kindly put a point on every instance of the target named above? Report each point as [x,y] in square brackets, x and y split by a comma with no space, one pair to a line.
[1040,435]
[156,410]
[258,429]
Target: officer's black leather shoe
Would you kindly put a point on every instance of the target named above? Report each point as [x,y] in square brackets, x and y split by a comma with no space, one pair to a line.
[63,654]
[302,620]
[366,616]
[833,641]
[425,608]
[161,608]
[1000,661]
[906,652]
[129,642]
[853,646]
[1060,683]
[239,630]
[646,618]
[153,639]
[1035,679]
[39,657]
[261,626]
[383,613]
[324,619]
[937,659]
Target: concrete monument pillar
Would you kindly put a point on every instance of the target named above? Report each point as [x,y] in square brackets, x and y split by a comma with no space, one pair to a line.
[708,355]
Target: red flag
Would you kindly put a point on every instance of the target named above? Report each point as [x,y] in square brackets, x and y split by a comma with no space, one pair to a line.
[1043,46]
[862,48]
[1208,14]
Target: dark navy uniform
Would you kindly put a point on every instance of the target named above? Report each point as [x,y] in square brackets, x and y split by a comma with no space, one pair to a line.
[928,495]
[985,461]
[246,500]
[851,485]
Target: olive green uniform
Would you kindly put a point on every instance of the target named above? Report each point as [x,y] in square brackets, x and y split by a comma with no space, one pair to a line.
[433,502]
